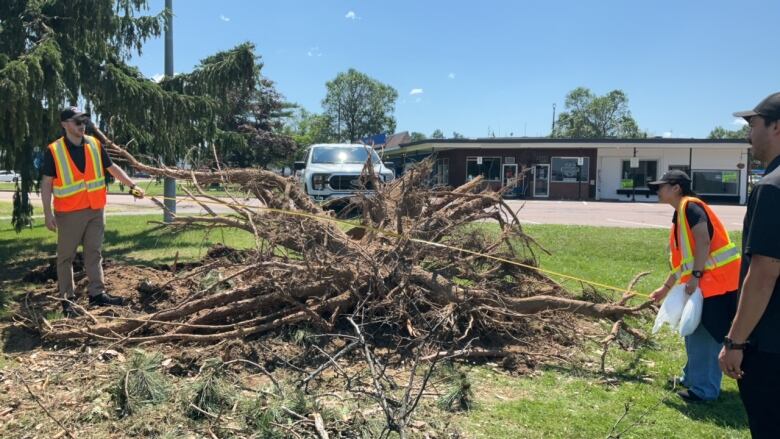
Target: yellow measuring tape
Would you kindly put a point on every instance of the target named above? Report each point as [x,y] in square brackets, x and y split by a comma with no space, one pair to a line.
[420,241]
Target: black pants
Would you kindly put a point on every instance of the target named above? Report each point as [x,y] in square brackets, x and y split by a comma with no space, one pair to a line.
[759,389]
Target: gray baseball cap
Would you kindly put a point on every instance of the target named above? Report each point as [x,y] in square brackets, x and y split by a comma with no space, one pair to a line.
[769,108]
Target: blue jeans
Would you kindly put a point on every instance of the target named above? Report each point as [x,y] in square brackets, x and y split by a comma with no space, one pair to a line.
[702,374]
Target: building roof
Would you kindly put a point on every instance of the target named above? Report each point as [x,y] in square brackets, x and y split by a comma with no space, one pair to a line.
[557,143]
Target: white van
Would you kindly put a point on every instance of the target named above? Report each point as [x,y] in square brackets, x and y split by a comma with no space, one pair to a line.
[333,170]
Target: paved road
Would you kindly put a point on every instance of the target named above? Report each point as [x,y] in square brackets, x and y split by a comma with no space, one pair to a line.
[613,214]
[607,214]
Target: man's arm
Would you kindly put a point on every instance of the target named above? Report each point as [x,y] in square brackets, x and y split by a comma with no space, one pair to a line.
[756,291]
[47,183]
[120,175]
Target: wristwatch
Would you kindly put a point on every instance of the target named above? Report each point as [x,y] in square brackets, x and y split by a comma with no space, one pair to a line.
[730,345]
[697,274]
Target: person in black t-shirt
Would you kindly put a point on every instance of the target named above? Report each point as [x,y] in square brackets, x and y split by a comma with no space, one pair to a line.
[701,375]
[77,214]
[751,352]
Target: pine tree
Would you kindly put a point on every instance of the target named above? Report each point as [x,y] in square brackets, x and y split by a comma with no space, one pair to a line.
[58,52]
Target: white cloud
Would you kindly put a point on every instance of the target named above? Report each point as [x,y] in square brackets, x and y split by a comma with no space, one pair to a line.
[314,51]
[416,91]
[667,134]
[451,75]
[739,122]
[158,77]
[223,18]
[351,15]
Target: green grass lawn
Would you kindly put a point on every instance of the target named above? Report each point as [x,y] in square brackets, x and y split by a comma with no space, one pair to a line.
[607,255]
[572,401]
[6,208]
[567,401]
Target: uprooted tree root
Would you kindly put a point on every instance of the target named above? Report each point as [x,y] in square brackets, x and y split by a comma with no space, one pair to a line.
[422,300]
[308,269]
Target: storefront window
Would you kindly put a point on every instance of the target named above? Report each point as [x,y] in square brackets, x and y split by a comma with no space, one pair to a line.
[647,171]
[566,169]
[490,168]
[716,182]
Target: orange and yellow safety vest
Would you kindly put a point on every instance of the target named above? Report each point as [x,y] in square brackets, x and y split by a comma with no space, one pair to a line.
[73,189]
[721,271]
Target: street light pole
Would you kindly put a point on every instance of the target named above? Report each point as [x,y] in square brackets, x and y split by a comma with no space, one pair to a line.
[169,183]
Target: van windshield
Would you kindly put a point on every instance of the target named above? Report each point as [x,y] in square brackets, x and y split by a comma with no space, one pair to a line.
[343,155]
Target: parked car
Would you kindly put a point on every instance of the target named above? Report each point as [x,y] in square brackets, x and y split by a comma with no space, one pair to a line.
[333,171]
[9,176]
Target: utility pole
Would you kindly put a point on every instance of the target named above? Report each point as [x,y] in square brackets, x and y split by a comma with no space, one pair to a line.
[552,132]
[169,191]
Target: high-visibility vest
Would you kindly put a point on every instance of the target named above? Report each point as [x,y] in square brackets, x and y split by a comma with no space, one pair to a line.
[721,271]
[73,189]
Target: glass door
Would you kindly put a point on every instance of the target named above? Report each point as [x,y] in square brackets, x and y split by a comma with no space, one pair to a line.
[509,175]
[541,181]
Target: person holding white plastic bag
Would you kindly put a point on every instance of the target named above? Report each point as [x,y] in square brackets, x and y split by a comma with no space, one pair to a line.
[702,257]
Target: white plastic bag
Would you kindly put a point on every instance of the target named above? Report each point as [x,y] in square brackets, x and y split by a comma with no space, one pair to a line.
[691,316]
[672,308]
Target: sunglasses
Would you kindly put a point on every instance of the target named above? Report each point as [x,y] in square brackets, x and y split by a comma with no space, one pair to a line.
[78,123]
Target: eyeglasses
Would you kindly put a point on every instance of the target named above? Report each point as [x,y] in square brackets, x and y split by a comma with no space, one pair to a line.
[78,123]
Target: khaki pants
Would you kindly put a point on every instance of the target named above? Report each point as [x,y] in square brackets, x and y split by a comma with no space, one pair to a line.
[82,227]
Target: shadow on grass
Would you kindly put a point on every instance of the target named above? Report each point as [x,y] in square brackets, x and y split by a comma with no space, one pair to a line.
[628,373]
[16,339]
[118,246]
[727,411]
[19,253]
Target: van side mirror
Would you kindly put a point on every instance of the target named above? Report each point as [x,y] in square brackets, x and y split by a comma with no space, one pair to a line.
[298,166]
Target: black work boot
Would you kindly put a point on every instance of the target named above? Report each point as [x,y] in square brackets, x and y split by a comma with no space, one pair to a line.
[69,311]
[104,299]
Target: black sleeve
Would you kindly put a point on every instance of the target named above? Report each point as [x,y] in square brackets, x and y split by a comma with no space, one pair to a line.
[48,169]
[695,214]
[763,236]
[107,163]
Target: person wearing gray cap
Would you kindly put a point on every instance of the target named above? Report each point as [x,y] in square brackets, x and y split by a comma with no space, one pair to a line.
[751,350]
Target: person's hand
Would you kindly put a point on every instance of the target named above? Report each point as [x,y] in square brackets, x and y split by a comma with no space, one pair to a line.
[137,192]
[51,223]
[658,295]
[691,285]
[730,361]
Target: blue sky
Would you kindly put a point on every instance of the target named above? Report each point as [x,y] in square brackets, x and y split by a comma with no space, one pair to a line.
[472,66]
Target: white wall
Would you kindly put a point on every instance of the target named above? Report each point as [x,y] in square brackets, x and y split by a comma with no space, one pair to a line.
[610,165]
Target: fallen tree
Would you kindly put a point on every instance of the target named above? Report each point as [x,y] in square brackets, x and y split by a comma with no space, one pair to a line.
[305,267]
